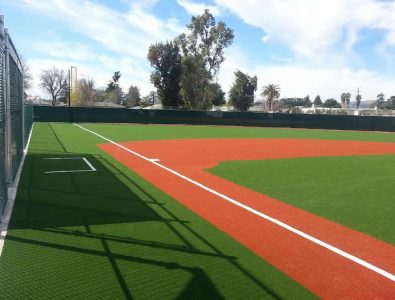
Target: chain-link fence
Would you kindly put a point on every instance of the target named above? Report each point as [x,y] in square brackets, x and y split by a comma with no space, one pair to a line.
[16,119]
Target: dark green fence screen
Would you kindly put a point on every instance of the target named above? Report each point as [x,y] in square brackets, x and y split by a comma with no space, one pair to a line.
[123,115]
[3,183]
[16,118]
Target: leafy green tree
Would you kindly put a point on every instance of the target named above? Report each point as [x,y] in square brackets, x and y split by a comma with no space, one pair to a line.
[317,101]
[241,94]
[194,84]
[133,96]
[380,101]
[113,83]
[391,103]
[287,103]
[307,102]
[216,94]
[145,101]
[345,98]
[203,52]
[271,92]
[331,103]
[114,91]
[207,40]
[165,58]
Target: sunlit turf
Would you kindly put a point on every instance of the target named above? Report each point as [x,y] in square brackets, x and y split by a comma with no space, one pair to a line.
[356,191]
[111,235]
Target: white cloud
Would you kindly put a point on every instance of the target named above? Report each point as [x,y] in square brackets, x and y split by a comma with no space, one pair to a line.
[299,81]
[313,28]
[64,50]
[125,34]
[320,34]
[108,26]
[281,59]
[195,8]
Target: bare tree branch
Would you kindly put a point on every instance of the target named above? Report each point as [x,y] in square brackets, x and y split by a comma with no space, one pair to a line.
[54,82]
[27,75]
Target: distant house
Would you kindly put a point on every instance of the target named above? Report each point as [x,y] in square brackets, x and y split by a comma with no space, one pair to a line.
[36,100]
[107,104]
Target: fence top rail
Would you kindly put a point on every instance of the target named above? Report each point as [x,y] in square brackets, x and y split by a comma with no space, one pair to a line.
[2,34]
[6,39]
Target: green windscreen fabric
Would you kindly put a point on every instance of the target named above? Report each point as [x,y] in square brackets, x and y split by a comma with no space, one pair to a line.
[3,184]
[16,104]
[15,125]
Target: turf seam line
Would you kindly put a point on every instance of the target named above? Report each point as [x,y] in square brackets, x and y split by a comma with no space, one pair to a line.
[5,220]
[317,241]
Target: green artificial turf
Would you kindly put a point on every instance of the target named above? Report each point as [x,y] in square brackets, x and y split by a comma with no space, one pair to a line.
[356,191]
[157,132]
[111,235]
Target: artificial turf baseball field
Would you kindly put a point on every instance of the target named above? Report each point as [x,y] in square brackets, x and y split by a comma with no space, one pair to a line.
[127,227]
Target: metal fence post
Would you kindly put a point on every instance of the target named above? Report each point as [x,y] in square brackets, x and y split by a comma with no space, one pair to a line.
[7,103]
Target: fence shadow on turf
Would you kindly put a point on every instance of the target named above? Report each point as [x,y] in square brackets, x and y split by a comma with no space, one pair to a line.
[72,195]
[49,202]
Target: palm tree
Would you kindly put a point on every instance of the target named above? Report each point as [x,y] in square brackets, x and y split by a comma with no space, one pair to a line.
[271,91]
[358,98]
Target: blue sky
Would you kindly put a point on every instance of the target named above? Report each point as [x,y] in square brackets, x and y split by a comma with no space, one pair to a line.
[308,47]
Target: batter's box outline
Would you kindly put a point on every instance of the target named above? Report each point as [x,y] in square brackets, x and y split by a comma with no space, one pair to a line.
[90,166]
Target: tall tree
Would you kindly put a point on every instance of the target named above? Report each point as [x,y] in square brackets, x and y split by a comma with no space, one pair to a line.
[380,100]
[317,101]
[391,102]
[307,101]
[358,99]
[207,40]
[217,96]
[86,91]
[165,58]
[241,94]
[54,82]
[114,91]
[194,84]
[271,92]
[113,83]
[345,98]
[203,51]
[133,96]
[331,103]
[27,75]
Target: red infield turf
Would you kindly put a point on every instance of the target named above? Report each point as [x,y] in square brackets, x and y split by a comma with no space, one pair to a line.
[324,272]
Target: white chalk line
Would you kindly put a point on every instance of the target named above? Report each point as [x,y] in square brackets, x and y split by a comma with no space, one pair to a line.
[5,220]
[91,168]
[258,213]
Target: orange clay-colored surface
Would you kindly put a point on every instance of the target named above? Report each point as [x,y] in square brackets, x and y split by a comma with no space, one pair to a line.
[325,273]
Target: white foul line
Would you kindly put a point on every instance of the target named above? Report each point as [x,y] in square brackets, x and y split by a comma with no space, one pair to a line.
[258,213]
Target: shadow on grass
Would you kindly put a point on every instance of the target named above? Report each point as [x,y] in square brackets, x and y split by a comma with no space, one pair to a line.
[75,196]
[51,203]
